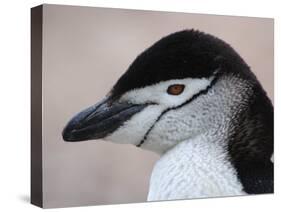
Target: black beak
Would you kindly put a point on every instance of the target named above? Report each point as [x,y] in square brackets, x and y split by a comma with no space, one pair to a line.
[99,120]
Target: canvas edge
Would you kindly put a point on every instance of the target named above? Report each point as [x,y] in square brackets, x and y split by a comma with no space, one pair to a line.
[36,190]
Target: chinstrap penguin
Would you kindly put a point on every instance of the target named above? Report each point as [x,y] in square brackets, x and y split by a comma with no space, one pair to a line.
[192,99]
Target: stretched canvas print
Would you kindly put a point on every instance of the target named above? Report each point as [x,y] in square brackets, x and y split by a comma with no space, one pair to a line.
[132,106]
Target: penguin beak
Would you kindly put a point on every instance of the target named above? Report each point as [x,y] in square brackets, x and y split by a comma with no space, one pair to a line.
[99,120]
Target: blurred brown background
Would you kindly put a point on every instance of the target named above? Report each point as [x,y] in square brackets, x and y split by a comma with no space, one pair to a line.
[85,50]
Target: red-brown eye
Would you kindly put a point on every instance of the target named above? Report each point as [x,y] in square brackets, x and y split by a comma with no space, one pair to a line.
[176,89]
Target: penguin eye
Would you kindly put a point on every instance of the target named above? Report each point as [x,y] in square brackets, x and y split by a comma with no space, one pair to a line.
[176,89]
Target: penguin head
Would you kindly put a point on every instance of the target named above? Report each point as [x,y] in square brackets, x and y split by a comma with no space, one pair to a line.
[175,90]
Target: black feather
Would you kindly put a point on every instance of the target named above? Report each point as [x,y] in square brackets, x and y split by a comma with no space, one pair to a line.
[183,54]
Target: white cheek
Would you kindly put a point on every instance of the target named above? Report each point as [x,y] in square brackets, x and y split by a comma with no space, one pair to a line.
[134,130]
[157,93]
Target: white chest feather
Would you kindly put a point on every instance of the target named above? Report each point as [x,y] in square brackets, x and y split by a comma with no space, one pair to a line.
[194,169]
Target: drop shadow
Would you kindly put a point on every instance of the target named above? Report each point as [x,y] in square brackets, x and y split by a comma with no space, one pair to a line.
[24,198]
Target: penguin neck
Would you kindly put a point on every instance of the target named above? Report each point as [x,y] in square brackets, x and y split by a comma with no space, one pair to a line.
[250,145]
[195,168]
[251,140]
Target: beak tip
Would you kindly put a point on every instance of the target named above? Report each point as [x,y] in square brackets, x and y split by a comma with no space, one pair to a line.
[67,134]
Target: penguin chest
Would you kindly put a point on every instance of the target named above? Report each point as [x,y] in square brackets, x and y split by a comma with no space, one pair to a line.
[193,169]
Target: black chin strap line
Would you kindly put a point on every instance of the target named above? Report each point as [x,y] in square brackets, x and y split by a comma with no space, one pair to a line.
[204,91]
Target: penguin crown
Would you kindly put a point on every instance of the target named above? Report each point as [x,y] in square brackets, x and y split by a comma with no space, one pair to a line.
[184,54]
